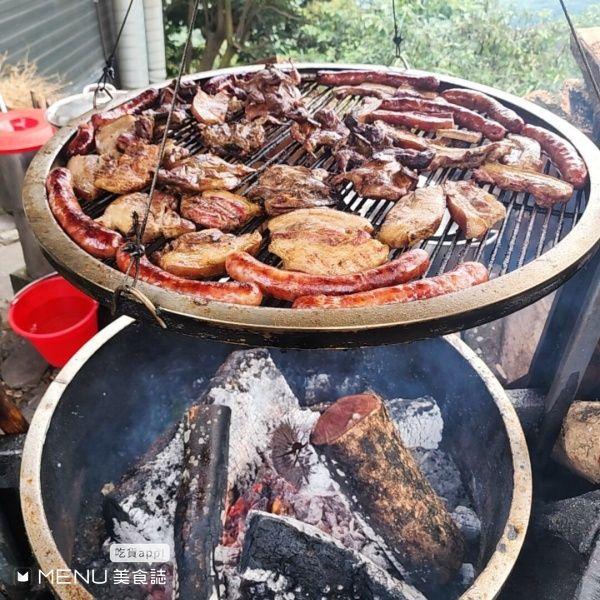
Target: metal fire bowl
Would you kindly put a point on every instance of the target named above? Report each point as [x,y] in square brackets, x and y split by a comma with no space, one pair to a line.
[333,327]
[131,382]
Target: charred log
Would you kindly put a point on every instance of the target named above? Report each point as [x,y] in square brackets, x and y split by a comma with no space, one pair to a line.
[310,564]
[200,498]
[370,462]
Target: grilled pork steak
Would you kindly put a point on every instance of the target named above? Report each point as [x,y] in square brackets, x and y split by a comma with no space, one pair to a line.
[284,188]
[415,217]
[380,178]
[525,153]
[326,130]
[203,253]
[106,136]
[323,241]
[83,169]
[202,172]
[163,220]
[473,209]
[210,110]
[546,190]
[242,138]
[218,209]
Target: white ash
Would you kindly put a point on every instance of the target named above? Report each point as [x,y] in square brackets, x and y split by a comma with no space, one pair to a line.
[320,387]
[151,507]
[468,523]
[418,420]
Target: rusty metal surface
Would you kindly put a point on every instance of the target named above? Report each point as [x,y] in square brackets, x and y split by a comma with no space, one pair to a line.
[519,277]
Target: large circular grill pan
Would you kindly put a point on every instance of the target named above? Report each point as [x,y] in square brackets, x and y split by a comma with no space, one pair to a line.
[534,251]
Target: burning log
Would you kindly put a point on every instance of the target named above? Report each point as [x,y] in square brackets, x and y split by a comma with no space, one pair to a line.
[311,564]
[197,525]
[367,457]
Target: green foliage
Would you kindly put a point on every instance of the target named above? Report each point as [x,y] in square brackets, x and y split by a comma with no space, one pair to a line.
[482,40]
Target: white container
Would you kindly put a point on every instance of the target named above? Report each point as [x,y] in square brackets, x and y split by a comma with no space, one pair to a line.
[132,55]
[155,40]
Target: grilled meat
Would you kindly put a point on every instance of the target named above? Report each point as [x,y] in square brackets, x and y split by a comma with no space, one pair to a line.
[374,90]
[414,217]
[413,159]
[326,130]
[546,190]
[461,135]
[107,135]
[203,253]
[347,159]
[284,188]
[210,110]
[218,209]
[380,178]
[412,119]
[202,172]
[187,90]
[323,241]
[525,153]
[273,92]
[126,211]
[473,209]
[130,172]
[467,158]
[83,169]
[368,138]
[241,138]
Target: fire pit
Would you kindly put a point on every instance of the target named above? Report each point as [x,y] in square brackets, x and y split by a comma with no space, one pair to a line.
[91,430]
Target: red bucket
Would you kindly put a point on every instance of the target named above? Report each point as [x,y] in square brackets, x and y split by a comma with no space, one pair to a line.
[55,317]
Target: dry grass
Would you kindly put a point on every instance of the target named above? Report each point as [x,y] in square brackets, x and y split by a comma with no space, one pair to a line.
[19,80]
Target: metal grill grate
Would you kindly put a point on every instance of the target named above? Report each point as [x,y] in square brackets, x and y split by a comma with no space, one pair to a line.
[527,231]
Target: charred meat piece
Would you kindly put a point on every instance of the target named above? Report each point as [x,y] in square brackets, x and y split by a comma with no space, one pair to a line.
[83,169]
[123,213]
[413,119]
[210,110]
[130,172]
[374,90]
[525,153]
[380,178]
[273,92]
[323,241]
[473,209]
[467,158]
[413,159]
[379,135]
[414,217]
[143,133]
[347,159]
[241,138]
[329,131]
[284,188]
[218,209]
[204,172]
[203,253]
[546,190]
[461,135]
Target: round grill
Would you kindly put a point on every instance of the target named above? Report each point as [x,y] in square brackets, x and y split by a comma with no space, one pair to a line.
[534,250]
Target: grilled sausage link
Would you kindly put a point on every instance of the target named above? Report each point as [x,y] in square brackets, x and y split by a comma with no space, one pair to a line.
[486,104]
[91,236]
[230,292]
[464,276]
[464,117]
[83,142]
[417,79]
[289,285]
[562,153]
[424,121]
[144,100]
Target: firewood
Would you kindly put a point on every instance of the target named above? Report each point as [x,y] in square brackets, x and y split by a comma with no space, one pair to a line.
[366,455]
[313,564]
[200,498]
[11,418]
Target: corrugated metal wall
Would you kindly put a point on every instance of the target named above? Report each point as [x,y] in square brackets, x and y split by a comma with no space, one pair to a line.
[62,36]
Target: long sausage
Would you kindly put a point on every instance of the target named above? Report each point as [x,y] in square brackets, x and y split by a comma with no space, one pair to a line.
[462,116]
[289,285]
[231,292]
[562,153]
[132,107]
[464,276]
[417,79]
[84,140]
[91,236]
[424,121]
[486,104]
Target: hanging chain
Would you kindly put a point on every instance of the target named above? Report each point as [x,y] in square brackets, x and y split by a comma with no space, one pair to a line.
[397,37]
[108,70]
[136,248]
[586,63]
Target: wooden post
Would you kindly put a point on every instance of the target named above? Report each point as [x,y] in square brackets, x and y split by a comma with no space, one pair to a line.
[371,464]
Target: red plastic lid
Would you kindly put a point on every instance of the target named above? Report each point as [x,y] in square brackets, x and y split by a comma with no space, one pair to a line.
[23,130]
